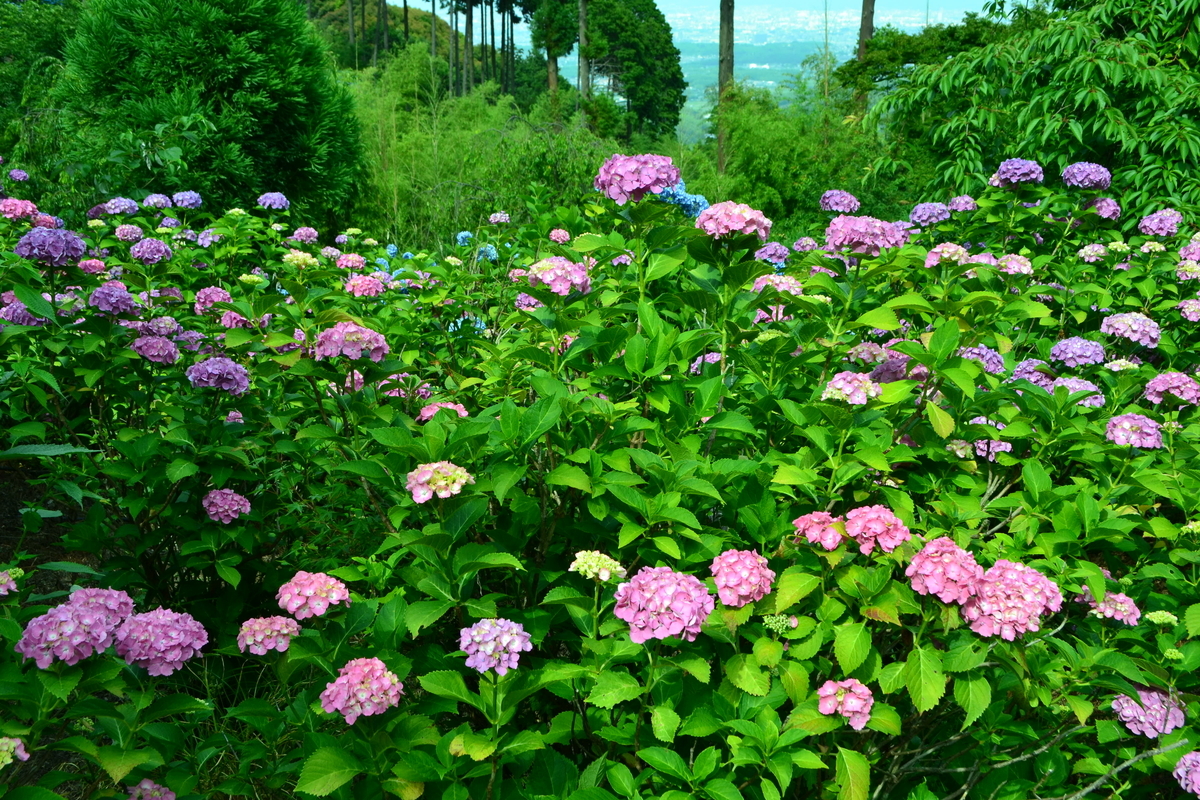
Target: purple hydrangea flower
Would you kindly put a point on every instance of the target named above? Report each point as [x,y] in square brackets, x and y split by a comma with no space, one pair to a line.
[18,175]
[160,640]
[156,201]
[54,247]
[352,341]
[1176,383]
[1091,253]
[498,218]
[363,688]
[12,748]
[112,298]
[494,644]
[159,349]
[1077,352]
[963,202]
[560,275]
[274,200]
[623,178]
[225,505]
[1161,223]
[927,214]
[1086,175]
[1133,326]
[1187,772]
[658,603]
[805,244]
[128,233]
[1106,207]
[305,234]
[208,237]
[219,373]
[773,253]
[443,478]
[988,358]
[1080,385]
[989,448]
[1015,171]
[1156,713]
[187,199]
[1136,430]
[169,222]
[75,630]
[121,205]
[17,313]
[150,251]
[839,201]
[742,576]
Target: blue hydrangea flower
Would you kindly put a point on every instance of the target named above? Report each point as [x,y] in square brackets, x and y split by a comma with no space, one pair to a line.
[690,204]
[383,262]
[488,251]
[392,250]
[463,238]
[407,255]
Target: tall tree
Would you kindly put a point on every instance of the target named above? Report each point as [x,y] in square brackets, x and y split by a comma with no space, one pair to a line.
[468,49]
[555,28]
[724,76]
[585,76]
[433,28]
[405,23]
[353,49]
[866,28]
[492,37]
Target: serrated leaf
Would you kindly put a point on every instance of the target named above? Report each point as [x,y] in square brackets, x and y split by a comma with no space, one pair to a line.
[1082,709]
[851,646]
[60,686]
[664,722]
[424,613]
[924,678]
[744,672]
[943,423]
[722,789]
[326,771]
[1191,618]
[612,688]
[853,774]
[768,651]
[793,585]
[974,695]
[474,745]
[570,475]
[665,761]
[697,667]
[118,762]
[446,683]
[179,469]
[882,317]
[884,719]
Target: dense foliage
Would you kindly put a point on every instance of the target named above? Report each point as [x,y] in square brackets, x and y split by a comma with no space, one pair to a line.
[616,503]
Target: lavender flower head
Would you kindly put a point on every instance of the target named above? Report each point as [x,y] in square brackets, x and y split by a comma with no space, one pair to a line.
[1072,385]
[862,235]
[273,200]
[988,358]
[351,340]
[946,252]
[659,603]
[839,201]
[1077,352]
[498,218]
[742,576]
[1014,171]
[149,790]
[729,217]
[219,373]
[805,244]
[1133,326]
[945,570]
[780,283]
[494,644]
[187,199]
[310,594]
[121,205]
[443,478]
[156,201]
[73,631]
[707,358]
[1091,253]
[988,448]
[363,688]
[207,297]
[158,349]
[1187,772]
[263,634]
[854,388]
[160,640]
[1161,223]
[928,214]
[18,175]
[963,202]
[1136,430]
[150,251]
[1106,208]
[1010,600]
[773,253]
[1176,383]
[559,236]
[225,505]
[849,698]
[819,527]
[112,297]
[872,525]
[1156,713]
[128,233]
[54,247]
[623,178]
[1086,175]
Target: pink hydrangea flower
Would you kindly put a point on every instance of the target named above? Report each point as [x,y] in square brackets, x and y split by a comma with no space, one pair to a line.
[310,594]
[658,603]
[149,790]
[850,698]
[1189,309]
[442,478]
[351,340]
[863,235]
[1010,600]
[225,505]
[946,252]
[498,217]
[559,236]
[92,266]
[560,275]
[854,388]
[818,528]
[707,358]
[945,570]
[363,688]
[780,283]
[1157,713]
[494,644]
[77,629]
[12,749]
[364,286]
[1182,386]
[729,217]
[208,296]
[871,525]
[1136,430]
[160,640]
[623,178]
[1013,264]
[267,633]
[393,386]
[8,582]
[1187,772]
[1114,605]
[427,413]
[1133,326]
[742,576]
[351,261]
[12,208]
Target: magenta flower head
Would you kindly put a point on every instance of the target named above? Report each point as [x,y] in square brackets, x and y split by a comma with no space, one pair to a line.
[854,388]
[659,603]
[12,749]
[150,251]
[1086,175]
[499,217]
[1094,400]
[1016,171]
[1161,223]
[364,286]
[363,688]
[780,283]
[225,505]
[850,698]
[1115,605]
[12,208]
[624,178]
[742,576]
[54,247]
[560,275]
[1176,383]
[928,214]
[559,236]
[310,594]
[351,340]
[839,201]
[442,478]
[1135,327]
[862,235]
[1136,430]
[160,640]
[963,202]
[207,297]
[871,525]
[1187,772]
[159,349]
[149,790]
[219,373]
[1106,208]
[494,644]
[1156,713]
[945,570]
[1009,600]
[729,217]
[1077,352]
[427,413]
[818,527]
[262,634]
[75,630]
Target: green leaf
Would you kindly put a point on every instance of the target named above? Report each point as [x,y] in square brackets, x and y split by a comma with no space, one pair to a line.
[475,745]
[179,469]
[744,672]
[695,666]
[768,651]
[446,683]
[60,686]
[31,793]
[118,762]
[943,423]
[1191,618]
[326,771]
[320,431]
[851,646]
[26,450]
[570,475]
[853,773]
[424,613]
[174,704]
[67,566]
[664,722]
[612,688]
[33,300]
[668,762]
[621,779]
[924,678]
[974,695]
[884,719]
[1037,480]
[722,789]
[794,585]
[882,317]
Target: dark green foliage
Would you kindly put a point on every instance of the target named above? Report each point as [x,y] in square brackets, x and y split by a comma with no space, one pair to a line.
[243,89]
[32,38]
[555,27]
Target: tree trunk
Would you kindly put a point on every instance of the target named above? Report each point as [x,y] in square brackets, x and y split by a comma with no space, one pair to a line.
[552,73]
[362,13]
[724,78]
[377,37]
[353,49]
[492,29]
[468,50]
[867,28]
[455,62]
[433,28]
[483,62]
[406,23]
[386,12]
[585,67]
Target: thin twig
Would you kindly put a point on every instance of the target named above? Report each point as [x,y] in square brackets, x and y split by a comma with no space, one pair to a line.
[1096,784]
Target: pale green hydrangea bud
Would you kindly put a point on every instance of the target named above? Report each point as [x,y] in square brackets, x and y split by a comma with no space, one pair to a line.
[454,260]
[1171,426]
[594,565]
[960,448]
[820,298]
[16,573]
[1153,247]
[369,241]
[1192,527]
[1162,618]
[353,231]
[96,223]
[780,623]
[1172,654]
[235,212]
[1118,247]
[1120,364]
[252,280]
[300,259]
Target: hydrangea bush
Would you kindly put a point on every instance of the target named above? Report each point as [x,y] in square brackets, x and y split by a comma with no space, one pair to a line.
[646,508]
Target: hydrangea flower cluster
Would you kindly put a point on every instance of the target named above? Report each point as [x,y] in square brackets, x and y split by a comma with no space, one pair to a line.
[8,579]
[805,244]
[363,286]
[1189,309]
[839,201]
[690,204]
[121,205]
[225,505]
[742,576]
[274,201]
[1161,223]
[1133,326]
[862,235]
[442,478]
[707,358]
[1136,430]
[1094,400]
[363,688]
[867,353]
[596,566]
[1009,600]
[659,603]
[780,283]
[854,388]
[773,253]
[54,247]
[73,631]
[623,178]
[929,214]
[945,570]
[963,202]
[219,373]
[1162,618]
[350,340]
[1014,171]
[12,749]
[1013,264]
[150,251]
[1115,605]
[494,644]
[1155,712]
[560,275]
[112,298]
[946,252]
[559,236]
[1176,383]
[310,594]
[149,790]
[1077,352]
[394,386]
[1106,208]
[160,640]
[988,448]
[497,218]
[1091,253]
[427,413]
[729,217]
[1086,175]
[159,349]
[988,358]
[209,296]
[871,525]
[850,698]
[261,634]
